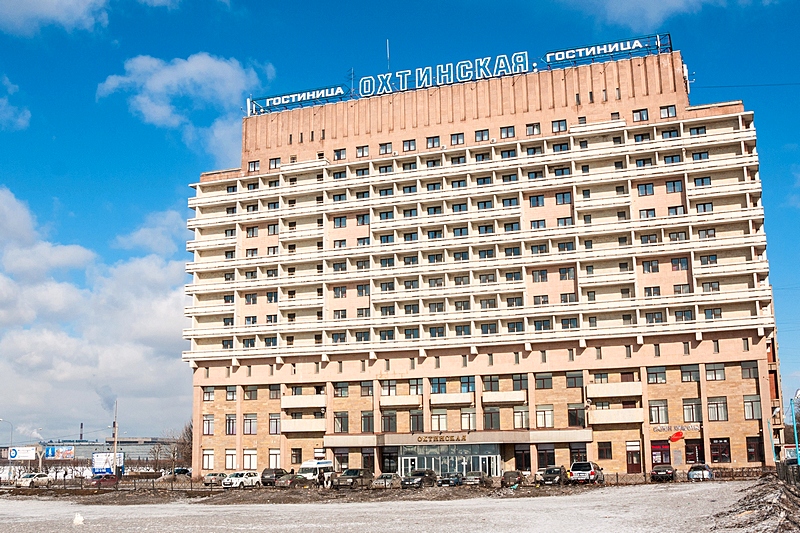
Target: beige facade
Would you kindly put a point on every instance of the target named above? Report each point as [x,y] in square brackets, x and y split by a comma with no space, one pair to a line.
[498,274]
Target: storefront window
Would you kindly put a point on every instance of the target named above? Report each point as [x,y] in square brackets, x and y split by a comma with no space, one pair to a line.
[660,452]
[577,452]
[720,450]
[545,455]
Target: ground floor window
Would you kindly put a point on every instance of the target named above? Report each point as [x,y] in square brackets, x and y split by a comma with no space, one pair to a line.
[230,460]
[274,458]
[208,459]
[522,457]
[389,460]
[755,450]
[604,450]
[659,450]
[341,460]
[577,452]
[694,451]
[720,450]
[368,459]
[250,461]
[297,456]
[545,455]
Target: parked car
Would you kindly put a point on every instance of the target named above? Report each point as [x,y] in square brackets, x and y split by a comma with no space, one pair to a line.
[450,479]
[102,480]
[241,480]
[662,473]
[554,475]
[294,481]
[32,480]
[418,479]
[512,477]
[214,478]
[700,472]
[270,475]
[387,481]
[353,478]
[477,478]
[539,475]
[586,472]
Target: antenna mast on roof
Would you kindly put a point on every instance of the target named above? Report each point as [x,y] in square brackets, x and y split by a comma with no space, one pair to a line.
[388,68]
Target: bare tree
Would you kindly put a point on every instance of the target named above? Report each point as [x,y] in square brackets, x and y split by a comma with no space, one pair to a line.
[157,452]
[184,443]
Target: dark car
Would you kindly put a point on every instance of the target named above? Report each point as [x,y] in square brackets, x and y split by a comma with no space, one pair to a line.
[554,475]
[512,477]
[294,481]
[270,475]
[353,478]
[418,479]
[102,480]
[450,479]
[662,473]
[183,472]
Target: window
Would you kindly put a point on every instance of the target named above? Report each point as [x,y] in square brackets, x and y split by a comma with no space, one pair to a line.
[713,314]
[275,163]
[438,385]
[339,154]
[538,201]
[656,374]
[544,381]
[707,233]
[574,380]
[646,162]
[566,273]
[752,407]
[339,197]
[562,171]
[339,222]
[650,266]
[669,134]
[699,156]
[544,416]
[559,126]
[230,424]
[362,151]
[671,159]
[640,115]
[533,129]
[645,189]
[647,213]
[507,132]
[706,207]
[684,316]
[681,263]
[511,226]
[491,418]
[720,450]
[561,147]
[674,186]
[576,415]
[542,325]
[718,409]
[668,111]
[658,412]
[432,142]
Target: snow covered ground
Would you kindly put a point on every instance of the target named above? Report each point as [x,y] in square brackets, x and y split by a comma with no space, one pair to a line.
[634,509]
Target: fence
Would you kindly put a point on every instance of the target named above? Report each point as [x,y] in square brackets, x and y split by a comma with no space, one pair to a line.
[788,473]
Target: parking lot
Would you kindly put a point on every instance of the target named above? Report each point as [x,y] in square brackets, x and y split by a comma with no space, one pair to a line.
[639,508]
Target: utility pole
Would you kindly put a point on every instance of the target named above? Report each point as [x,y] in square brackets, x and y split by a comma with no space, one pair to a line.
[115,431]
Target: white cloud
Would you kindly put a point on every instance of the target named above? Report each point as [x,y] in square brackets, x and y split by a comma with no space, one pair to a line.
[158,234]
[648,15]
[12,117]
[80,346]
[26,17]
[169,4]
[183,93]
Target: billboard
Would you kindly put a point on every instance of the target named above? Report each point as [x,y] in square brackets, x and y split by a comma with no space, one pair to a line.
[103,462]
[27,453]
[58,453]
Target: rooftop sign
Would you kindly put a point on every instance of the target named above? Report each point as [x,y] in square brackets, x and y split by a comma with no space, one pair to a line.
[463,71]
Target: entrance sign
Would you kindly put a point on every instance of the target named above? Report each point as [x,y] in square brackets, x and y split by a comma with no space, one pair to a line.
[480,68]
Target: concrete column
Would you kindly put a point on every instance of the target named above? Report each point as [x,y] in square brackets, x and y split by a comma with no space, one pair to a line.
[647,455]
[239,425]
[197,429]
[704,406]
[479,401]
[762,386]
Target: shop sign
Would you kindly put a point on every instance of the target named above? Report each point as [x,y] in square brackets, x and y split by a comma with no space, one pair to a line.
[442,438]
[672,429]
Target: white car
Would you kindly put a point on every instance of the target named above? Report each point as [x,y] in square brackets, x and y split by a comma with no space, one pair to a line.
[33,480]
[241,480]
[700,472]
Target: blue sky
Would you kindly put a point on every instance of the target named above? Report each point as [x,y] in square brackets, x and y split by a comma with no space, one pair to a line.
[110,108]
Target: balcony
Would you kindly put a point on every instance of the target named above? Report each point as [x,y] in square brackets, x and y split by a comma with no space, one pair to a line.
[456,398]
[507,397]
[614,390]
[303,425]
[304,401]
[409,401]
[615,416]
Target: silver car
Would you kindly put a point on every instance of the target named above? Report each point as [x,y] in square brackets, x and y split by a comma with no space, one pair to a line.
[700,472]
[387,481]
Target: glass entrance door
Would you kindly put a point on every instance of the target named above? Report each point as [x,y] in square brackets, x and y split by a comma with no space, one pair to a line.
[489,465]
[407,465]
[634,462]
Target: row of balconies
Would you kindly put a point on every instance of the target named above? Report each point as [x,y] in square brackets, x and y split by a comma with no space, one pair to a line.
[523,184]
[524,235]
[590,153]
[421,345]
[580,255]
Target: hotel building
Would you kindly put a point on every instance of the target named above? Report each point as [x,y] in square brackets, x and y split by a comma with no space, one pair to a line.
[498,274]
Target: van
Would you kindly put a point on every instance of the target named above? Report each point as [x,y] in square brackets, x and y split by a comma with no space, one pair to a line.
[310,470]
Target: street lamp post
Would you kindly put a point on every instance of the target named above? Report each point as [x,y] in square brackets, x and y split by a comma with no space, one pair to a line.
[10,445]
[794,426]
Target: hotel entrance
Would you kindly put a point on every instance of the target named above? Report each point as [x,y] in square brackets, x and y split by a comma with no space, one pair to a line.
[446,458]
